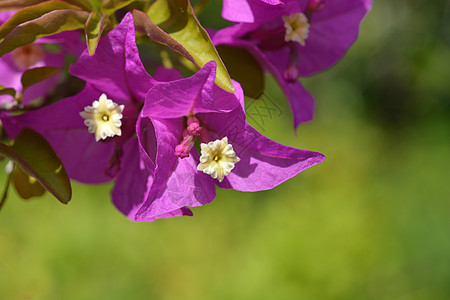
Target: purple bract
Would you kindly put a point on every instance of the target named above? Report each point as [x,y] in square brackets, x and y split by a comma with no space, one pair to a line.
[140,132]
[196,108]
[296,38]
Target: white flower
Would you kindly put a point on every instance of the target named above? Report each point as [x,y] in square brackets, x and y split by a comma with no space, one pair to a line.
[103,118]
[297,28]
[218,158]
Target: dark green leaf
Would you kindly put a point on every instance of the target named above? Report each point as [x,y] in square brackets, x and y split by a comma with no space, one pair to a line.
[84,4]
[170,17]
[243,68]
[34,155]
[32,12]
[26,186]
[94,28]
[110,6]
[177,24]
[36,75]
[48,24]
[7,91]
[97,4]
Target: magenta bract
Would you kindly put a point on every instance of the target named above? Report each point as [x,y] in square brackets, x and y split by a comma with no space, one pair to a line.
[151,179]
[325,31]
[263,163]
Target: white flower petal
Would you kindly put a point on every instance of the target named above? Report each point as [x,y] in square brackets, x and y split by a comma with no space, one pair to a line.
[103,118]
[217,159]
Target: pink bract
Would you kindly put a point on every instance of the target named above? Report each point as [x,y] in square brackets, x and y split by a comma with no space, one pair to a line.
[334,26]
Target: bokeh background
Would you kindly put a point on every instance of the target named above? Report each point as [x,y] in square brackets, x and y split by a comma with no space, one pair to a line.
[371,222]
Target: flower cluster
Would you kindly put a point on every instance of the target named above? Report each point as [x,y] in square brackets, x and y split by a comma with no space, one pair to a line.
[166,140]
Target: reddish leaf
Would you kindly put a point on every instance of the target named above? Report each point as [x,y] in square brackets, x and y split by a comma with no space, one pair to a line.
[48,24]
[17,4]
[32,12]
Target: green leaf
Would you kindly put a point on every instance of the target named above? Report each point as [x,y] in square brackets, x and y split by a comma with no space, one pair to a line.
[84,4]
[36,75]
[97,4]
[110,6]
[48,24]
[17,4]
[159,12]
[94,28]
[243,68]
[7,91]
[34,155]
[146,26]
[5,191]
[26,186]
[31,13]
[177,24]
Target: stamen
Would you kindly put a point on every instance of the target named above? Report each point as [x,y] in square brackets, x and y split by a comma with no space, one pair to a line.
[218,159]
[193,129]
[103,118]
[182,150]
[291,73]
[193,126]
[297,28]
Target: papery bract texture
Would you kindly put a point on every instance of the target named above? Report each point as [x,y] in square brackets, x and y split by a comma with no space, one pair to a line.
[248,10]
[150,153]
[116,71]
[332,27]
[177,182]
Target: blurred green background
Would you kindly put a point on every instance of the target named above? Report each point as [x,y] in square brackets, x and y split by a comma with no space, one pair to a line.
[371,222]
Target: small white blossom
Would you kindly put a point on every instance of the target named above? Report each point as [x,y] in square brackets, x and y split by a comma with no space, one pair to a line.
[103,118]
[297,28]
[218,158]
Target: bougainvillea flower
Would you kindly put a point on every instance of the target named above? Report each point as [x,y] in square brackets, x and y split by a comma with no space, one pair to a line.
[127,127]
[298,38]
[35,55]
[82,128]
[233,154]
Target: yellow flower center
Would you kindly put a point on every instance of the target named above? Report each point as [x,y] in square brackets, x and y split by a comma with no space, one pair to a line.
[297,28]
[103,118]
[218,159]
